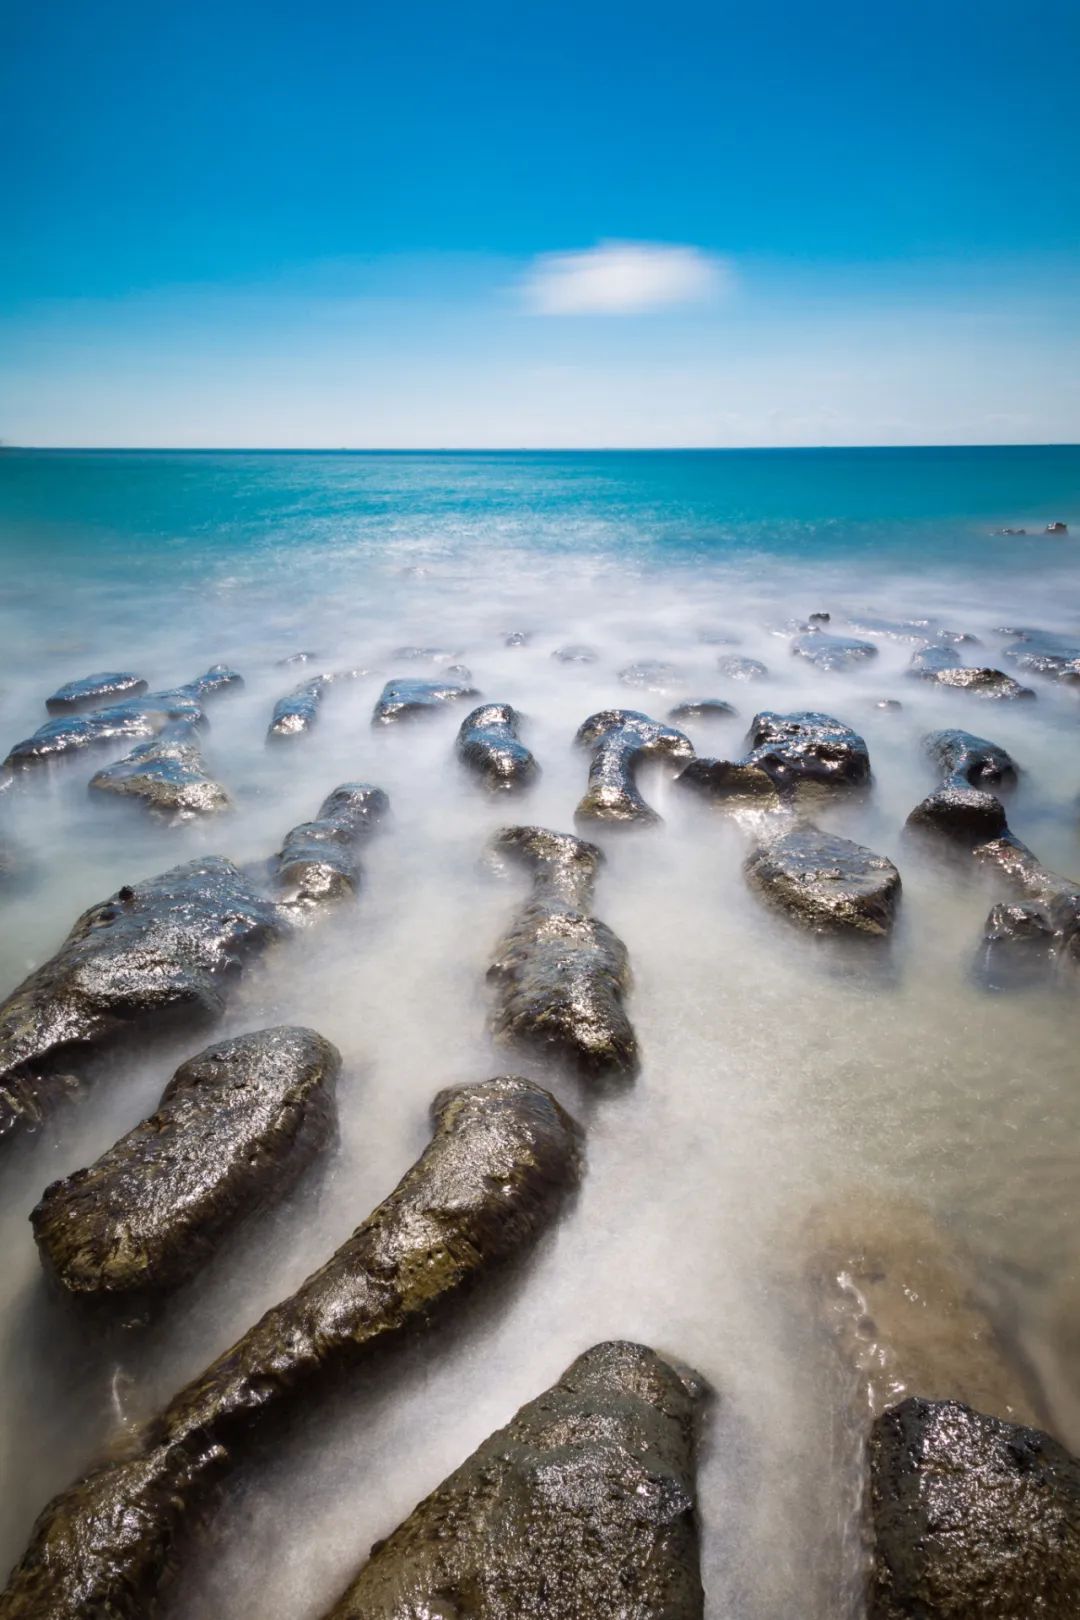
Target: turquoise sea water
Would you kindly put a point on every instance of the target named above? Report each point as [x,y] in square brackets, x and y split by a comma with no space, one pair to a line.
[781,1093]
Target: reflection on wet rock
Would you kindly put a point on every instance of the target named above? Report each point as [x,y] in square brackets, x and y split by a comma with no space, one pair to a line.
[1046,929]
[489,745]
[787,752]
[319,860]
[940,664]
[583,1505]
[93,692]
[963,809]
[297,713]
[168,775]
[621,740]
[235,1127]
[405,699]
[701,709]
[828,884]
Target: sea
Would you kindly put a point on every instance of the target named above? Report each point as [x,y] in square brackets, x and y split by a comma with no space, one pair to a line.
[783,1090]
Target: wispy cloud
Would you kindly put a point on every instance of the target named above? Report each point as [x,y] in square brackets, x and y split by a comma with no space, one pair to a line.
[623,278]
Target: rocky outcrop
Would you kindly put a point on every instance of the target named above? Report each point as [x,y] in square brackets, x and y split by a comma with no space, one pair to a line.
[583,1505]
[826,883]
[970,1517]
[787,753]
[940,664]
[621,740]
[143,716]
[94,691]
[650,675]
[559,976]
[489,746]
[1044,652]
[168,776]
[234,1129]
[830,653]
[701,709]
[405,699]
[737,668]
[158,952]
[319,860]
[501,1163]
[963,809]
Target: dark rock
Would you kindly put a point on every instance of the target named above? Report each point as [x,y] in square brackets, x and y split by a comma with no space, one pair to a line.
[972,1518]
[890,705]
[164,950]
[168,775]
[621,740]
[963,809]
[297,713]
[559,976]
[502,1161]
[939,664]
[1014,938]
[1044,652]
[576,655]
[143,716]
[827,883]
[402,700]
[819,618]
[650,675]
[702,709]
[234,1129]
[1056,528]
[828,652]
[741,669]
[488,743]
[733,782]
[582,1506]
[319,860]
[93,691]
[962,757]
[1017,947]
[808,748]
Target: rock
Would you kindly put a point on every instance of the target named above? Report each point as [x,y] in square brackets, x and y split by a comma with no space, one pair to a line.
[1044,652]
[1056,528]
[939,664]
[234,1129]
[297,713]
[143,716]
[1009,531]
[826,883]
[819,618]
[319,860]
[502,1161]
[1046,929]
[576,655]
[701,709]
[1017,947]
[741,669]
[788,752]
[489,745]
[582,1506]
[710,636]
[402,700]
[168,775]
[963,809]
[903,1304]
[650,675]
[157,952]
[922,631]
[297,658]
[517,638]
[733,783]
[970,1517]
[93,691]
[890,705]
[621,740]
[829,652]
[559,976]
[424,655]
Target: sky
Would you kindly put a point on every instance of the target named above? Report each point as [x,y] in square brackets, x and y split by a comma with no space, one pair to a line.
[589,224]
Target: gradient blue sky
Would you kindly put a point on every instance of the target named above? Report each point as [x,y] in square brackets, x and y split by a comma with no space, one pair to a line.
[327,224]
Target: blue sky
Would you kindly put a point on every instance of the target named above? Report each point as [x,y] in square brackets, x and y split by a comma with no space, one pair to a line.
[426,224]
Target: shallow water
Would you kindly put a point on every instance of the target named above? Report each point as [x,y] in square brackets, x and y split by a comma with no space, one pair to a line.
[778,1078]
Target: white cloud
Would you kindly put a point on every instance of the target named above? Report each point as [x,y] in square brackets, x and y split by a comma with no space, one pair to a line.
[623,278]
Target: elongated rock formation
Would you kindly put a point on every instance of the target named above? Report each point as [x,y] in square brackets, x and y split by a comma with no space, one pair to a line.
[319,860]
[621,740]
[142,716]
[1044,652]
[93,691]
[489,746]
[168,775]
[787,753]
[559,976]
[963,808]
[406,699]
[234,1129]
[971,1518]
[297,713]
[582,1506]
[941,665]
[503,1159]
[826,883]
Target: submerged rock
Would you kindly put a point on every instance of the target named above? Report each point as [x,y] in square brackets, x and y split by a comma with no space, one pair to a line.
[963,809]
[159,951]
[296,658]
[234,1129]
[425,655]
[1044,652]
[576,654]
[319,860]
[737,668]
[829,652]
[702,709]
[826,883]
[651,675]
[93,691]
[621,740]
[168,775]
[517,638]
[559,976]
[582,1506]
[143,716]
[488,743]
[501,1163]
[972,1518]
[936,663]
[402,700]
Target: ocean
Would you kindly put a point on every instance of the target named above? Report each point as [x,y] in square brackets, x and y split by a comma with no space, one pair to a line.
[784,1090]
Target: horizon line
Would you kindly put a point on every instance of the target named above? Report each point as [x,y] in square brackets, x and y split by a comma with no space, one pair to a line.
[519,449]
